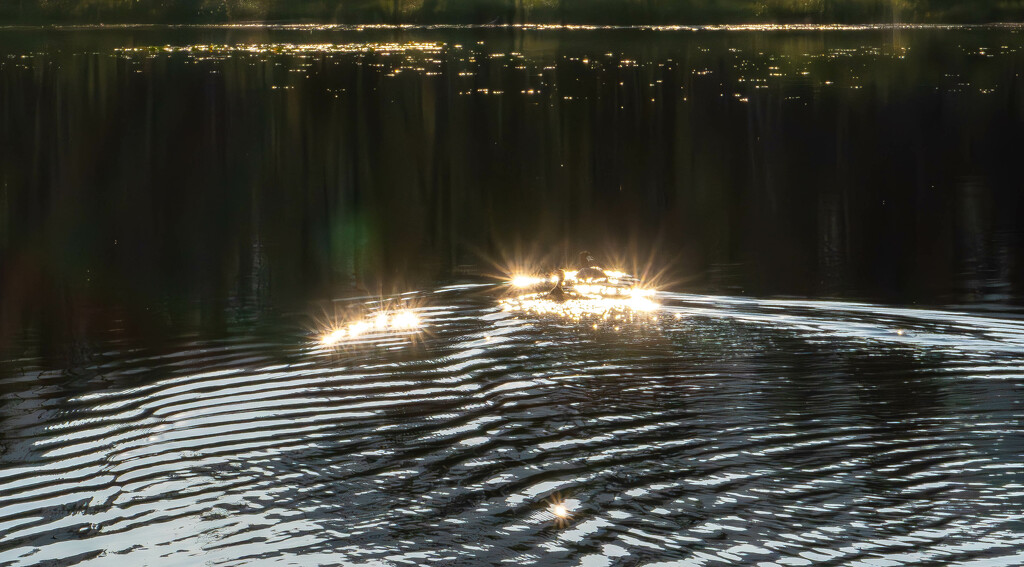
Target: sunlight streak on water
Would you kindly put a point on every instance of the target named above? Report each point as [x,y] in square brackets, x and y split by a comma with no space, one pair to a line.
[613,295]
[381,325]
[583,308]
[287,48]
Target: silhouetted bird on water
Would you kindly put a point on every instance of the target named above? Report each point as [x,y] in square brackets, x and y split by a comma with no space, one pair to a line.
[588,268]
[557,293]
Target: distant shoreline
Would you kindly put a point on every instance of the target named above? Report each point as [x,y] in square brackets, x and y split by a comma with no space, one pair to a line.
[305,26]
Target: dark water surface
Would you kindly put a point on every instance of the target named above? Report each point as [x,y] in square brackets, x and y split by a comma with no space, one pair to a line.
[183,209]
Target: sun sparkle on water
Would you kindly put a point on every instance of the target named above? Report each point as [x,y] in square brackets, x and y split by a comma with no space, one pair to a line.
[558,507]
[615,295]
[579,308]
[526,281]
[404,320]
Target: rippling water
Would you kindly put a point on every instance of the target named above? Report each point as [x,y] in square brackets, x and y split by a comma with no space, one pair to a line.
[715,430]
[175,204]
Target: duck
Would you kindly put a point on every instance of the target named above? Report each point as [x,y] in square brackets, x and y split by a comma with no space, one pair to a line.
[557,293]
[588,268]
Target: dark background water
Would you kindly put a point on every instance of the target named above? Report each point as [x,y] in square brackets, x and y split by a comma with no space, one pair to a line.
[616,12]
[193,185]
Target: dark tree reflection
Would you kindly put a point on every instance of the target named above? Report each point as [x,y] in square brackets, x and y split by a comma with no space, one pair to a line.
[150,188]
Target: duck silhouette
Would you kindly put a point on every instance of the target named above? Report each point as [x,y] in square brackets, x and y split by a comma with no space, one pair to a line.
[557,293]
[588,269]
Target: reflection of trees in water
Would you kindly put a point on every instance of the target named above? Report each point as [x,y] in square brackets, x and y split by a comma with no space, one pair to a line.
[984,256]
[179,186]
[518,11]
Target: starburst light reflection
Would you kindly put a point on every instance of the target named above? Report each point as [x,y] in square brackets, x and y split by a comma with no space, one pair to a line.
[526,281]
[559,508]
[382,323]
[580,308]
[616,296]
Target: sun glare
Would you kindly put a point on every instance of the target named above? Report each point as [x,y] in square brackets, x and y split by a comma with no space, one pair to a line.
[405,320]
[579,309]
[381,323]
[616,296]
[559,508]
[526,281]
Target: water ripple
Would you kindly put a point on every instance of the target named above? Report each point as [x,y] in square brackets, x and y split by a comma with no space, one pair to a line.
[728,430]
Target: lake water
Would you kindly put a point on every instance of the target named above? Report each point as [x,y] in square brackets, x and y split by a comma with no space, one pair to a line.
[831,371]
